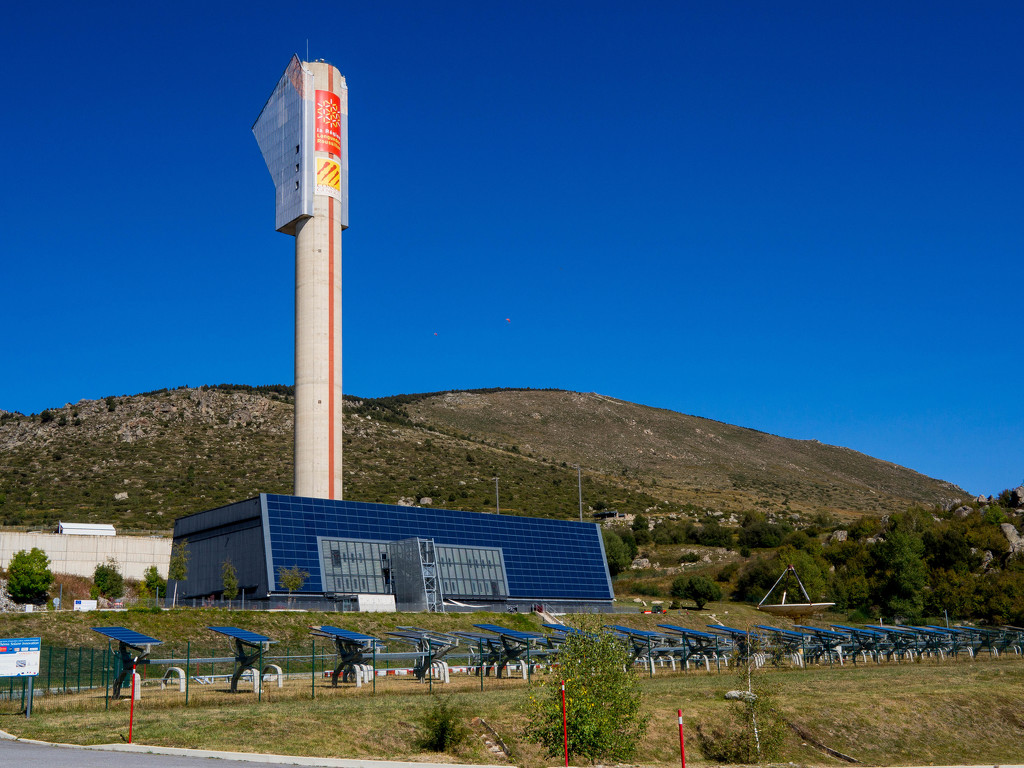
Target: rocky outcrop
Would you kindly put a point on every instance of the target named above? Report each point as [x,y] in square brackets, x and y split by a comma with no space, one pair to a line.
[1017,496]
[1014,539]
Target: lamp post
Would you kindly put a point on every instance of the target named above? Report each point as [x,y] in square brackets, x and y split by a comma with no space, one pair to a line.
[497,500]
[579,480]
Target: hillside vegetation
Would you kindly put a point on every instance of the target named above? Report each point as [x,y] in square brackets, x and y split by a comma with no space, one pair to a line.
[140,461]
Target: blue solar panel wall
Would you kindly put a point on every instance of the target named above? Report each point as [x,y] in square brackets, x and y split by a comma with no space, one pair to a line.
[544,559]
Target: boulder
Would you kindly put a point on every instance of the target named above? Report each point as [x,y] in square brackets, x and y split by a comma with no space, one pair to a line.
[1013,538]
[1017,496]
[961,512]
[640,562]
[746,696]
[838,536]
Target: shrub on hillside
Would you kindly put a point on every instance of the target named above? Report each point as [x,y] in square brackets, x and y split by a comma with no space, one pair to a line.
[107,579]
[712,534]
[615,552]
[700,589]
[443,727]
[28,576]
[602,694]
[761,534]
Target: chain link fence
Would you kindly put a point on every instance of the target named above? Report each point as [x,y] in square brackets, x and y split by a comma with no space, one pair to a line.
[193,674]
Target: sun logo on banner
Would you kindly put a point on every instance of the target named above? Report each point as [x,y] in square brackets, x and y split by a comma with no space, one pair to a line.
[328,178]
[328,122]
[328,112]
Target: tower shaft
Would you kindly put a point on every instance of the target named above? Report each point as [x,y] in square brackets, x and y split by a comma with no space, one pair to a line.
[303,135]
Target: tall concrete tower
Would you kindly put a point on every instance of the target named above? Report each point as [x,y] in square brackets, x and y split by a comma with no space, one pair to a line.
[302,132]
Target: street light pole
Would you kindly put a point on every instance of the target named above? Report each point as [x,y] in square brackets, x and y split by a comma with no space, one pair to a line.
[579,480]
[497,500]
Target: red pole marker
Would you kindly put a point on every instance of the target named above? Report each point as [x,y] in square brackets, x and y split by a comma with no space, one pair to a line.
[565,727]
[682,745]
[131,707]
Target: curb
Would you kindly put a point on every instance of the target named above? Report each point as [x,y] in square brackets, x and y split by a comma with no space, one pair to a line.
[250,757]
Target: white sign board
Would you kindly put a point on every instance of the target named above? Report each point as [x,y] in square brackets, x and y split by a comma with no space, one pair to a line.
[85,605]
[19,656]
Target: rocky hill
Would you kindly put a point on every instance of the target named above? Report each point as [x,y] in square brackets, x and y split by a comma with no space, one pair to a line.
[140,461]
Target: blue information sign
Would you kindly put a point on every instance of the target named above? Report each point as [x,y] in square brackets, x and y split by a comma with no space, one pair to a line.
[19,656]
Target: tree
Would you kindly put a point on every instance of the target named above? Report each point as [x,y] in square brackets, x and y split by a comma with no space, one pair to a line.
[712,534]
[641,529]
[900,575]
[178,568]
[28,576]
[761,533]
[229,578]
[700,589]
[758,728]
[153,583]
[616,552]
[108,579]
[602,694]
[292,578]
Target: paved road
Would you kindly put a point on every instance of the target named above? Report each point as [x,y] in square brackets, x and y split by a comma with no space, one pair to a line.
[19,753]
[38,755]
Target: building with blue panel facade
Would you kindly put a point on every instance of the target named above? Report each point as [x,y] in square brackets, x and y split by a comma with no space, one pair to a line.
[419,558]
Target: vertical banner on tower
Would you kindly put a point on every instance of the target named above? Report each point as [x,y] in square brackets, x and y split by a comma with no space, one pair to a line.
[328,177]
[328,123]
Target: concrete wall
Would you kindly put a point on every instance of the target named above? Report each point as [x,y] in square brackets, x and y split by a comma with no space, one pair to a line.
[79,555]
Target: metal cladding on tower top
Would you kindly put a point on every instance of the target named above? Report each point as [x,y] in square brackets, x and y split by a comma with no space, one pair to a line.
[302,132]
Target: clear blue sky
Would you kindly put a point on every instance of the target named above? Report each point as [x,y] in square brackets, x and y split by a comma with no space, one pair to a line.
[800,217]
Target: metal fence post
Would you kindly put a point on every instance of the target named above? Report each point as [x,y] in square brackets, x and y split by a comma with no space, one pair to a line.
[106,676]
[188,665]
[49,663]
[312,674]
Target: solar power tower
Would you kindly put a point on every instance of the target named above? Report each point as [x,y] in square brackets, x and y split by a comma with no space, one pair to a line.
[302,132]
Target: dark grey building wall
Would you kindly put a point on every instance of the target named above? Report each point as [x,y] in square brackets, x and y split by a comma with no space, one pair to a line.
[233,532]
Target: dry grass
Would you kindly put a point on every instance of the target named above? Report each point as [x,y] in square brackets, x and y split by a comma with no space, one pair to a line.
[930,712]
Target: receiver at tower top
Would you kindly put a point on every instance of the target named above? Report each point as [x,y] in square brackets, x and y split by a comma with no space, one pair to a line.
[302,132]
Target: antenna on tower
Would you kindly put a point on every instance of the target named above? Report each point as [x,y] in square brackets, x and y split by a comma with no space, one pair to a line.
[307,49]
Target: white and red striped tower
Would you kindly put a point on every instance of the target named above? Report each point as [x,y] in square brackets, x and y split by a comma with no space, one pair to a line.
[302,132]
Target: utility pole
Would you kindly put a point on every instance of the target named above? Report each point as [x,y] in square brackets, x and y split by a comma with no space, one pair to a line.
[497,500]
[579,480]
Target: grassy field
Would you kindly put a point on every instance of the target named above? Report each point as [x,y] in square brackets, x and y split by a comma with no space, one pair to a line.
[914,714]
